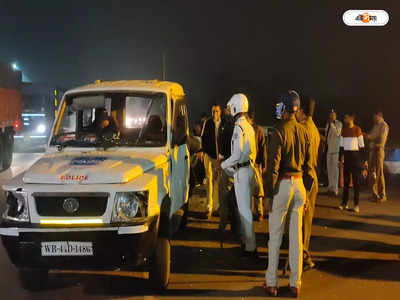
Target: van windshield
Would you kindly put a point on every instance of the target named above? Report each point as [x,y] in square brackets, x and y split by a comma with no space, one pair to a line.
[112,120]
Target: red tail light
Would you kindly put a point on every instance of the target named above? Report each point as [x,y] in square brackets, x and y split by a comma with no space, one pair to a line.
[17,125]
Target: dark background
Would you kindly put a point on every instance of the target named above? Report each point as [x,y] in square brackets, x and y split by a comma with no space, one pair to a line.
[215,48]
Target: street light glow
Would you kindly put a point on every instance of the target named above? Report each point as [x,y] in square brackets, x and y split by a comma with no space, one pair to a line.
[14,66]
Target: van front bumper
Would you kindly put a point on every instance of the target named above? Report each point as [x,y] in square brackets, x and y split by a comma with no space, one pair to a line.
[113,247]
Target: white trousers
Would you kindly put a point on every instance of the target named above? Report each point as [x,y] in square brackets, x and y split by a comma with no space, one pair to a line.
[212,184]
[288,202]
[332,164]
[243,198]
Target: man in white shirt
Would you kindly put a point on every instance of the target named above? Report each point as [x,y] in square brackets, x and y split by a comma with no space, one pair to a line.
[240,165]
[333,131]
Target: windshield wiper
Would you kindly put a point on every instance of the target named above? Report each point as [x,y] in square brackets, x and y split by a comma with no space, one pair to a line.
[75,143]
[107,143]
[54,139]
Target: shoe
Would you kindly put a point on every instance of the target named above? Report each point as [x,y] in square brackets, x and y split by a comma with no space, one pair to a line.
[356,209]
[341,207]
[331,193]
[381,200]
[249,254]
[308,263]
[271,291]
[294,291]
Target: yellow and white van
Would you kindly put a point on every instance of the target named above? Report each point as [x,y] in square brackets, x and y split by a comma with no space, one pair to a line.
[111,188]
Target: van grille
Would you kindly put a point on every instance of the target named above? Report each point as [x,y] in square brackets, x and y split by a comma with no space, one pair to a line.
[52,205]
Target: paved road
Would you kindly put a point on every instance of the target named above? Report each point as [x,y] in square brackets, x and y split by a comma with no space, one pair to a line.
[357,255]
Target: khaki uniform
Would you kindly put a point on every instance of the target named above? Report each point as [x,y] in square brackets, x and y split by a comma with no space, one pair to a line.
[212,183]
[288,155]
[378,137]
[210,147]
[313,134]
[259,167]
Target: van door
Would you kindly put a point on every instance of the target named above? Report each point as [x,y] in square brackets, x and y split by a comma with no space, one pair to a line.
[180,160]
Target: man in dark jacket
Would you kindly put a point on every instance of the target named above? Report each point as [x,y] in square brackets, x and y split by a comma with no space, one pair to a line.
[209,140]
[288,162]
[226,194]
[260,166]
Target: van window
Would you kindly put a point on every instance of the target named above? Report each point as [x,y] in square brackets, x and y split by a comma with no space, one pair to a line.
[180,123]
[116,119]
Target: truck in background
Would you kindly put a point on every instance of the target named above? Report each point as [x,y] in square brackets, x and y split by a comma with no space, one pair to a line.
[40,103]
[10,112]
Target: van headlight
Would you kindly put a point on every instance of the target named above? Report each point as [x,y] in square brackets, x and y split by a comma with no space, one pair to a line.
[16,207]
[129,206]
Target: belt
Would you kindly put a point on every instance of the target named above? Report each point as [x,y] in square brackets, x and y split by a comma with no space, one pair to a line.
[287,177]
[242,165]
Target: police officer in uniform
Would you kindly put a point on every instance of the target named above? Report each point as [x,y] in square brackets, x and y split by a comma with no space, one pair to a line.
[240,164]
[305,116]
[288,155]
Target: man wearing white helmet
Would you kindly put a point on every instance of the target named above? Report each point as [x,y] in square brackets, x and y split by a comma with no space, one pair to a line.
[240,164]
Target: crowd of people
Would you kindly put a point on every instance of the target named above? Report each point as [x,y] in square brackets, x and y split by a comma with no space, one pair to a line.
[250,175]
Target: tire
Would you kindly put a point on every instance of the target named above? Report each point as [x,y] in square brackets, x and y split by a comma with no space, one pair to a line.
[184,220]
[1,152]
[33,279]
[8,151]
[160,267]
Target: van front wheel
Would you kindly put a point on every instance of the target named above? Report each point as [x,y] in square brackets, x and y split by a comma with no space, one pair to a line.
[160,267]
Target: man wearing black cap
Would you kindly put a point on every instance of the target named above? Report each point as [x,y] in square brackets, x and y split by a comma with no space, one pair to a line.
[288,157]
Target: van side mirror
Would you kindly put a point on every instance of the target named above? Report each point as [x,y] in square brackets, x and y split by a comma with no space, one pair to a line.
[179,138]
[179,135]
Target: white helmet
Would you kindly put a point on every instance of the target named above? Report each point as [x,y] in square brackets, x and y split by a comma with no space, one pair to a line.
[238,104]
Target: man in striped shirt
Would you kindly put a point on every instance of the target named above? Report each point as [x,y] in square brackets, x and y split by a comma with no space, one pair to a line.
[352,154]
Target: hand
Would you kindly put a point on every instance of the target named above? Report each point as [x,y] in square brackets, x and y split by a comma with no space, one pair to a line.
[218,168]
[219,161]
[201,156]
[365,173]
[306,206]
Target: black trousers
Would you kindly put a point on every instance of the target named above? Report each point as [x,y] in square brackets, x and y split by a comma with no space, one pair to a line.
[352,168]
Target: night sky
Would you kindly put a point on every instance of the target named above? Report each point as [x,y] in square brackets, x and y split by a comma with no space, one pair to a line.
[214,48]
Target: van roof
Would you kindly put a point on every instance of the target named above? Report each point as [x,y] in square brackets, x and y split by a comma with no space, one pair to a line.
[132,85]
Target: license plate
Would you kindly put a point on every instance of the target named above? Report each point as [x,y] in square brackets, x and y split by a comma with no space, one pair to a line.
[67,248]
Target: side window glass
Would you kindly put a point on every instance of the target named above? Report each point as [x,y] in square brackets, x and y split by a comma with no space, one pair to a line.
[180,124]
